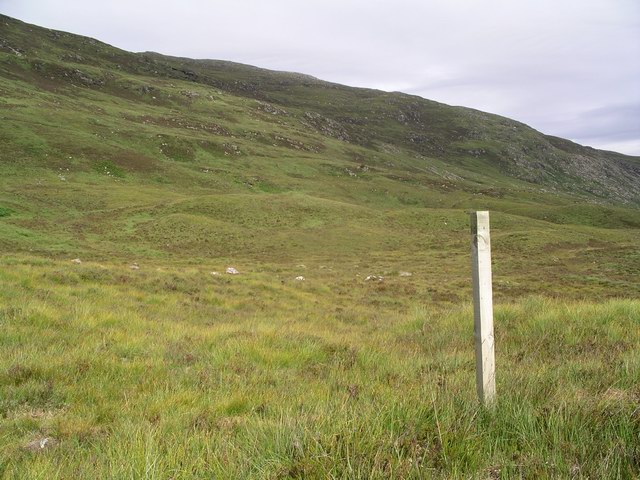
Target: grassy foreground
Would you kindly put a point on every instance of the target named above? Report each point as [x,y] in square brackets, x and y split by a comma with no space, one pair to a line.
[174,373]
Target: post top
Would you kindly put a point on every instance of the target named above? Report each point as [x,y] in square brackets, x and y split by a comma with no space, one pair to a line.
[479,219]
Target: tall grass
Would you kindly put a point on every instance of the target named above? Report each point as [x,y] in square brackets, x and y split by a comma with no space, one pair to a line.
[151,379]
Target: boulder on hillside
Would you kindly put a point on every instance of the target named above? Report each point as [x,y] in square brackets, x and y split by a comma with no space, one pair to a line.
[374,278]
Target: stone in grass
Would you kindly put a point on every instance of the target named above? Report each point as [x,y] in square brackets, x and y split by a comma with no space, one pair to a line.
[300,278]
[77,261]
[374,278]
[134,266]
[41,444]
[405,274]
[215,274]
[232,271]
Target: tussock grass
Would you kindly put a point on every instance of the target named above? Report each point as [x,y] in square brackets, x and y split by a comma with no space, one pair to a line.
[163,376]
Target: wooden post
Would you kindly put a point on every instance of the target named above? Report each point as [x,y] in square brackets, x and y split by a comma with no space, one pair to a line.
[483,307]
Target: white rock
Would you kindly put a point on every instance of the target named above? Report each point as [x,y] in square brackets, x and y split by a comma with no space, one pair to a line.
[232,271]
[300,278]
[76,260]
[134,266]
[215,274]
[406,274]
[374,278]
[40,444]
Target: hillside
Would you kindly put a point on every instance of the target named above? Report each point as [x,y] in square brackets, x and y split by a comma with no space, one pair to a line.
[110,154]
[138,361]
[371,125]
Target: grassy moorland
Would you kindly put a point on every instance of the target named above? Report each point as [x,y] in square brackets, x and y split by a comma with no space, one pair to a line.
[179,374]
[187,167]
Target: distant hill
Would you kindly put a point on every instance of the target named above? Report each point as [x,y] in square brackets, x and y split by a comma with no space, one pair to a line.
[119,153]
[308,113]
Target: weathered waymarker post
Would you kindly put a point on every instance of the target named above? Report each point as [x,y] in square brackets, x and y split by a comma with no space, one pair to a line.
[483,307]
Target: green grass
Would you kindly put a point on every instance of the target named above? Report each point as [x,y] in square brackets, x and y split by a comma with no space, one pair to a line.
[187,167]
[179,374]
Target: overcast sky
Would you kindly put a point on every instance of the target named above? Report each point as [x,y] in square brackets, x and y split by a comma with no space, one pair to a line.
[569,68]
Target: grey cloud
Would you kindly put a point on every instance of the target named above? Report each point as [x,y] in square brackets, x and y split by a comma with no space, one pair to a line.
[616,122]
